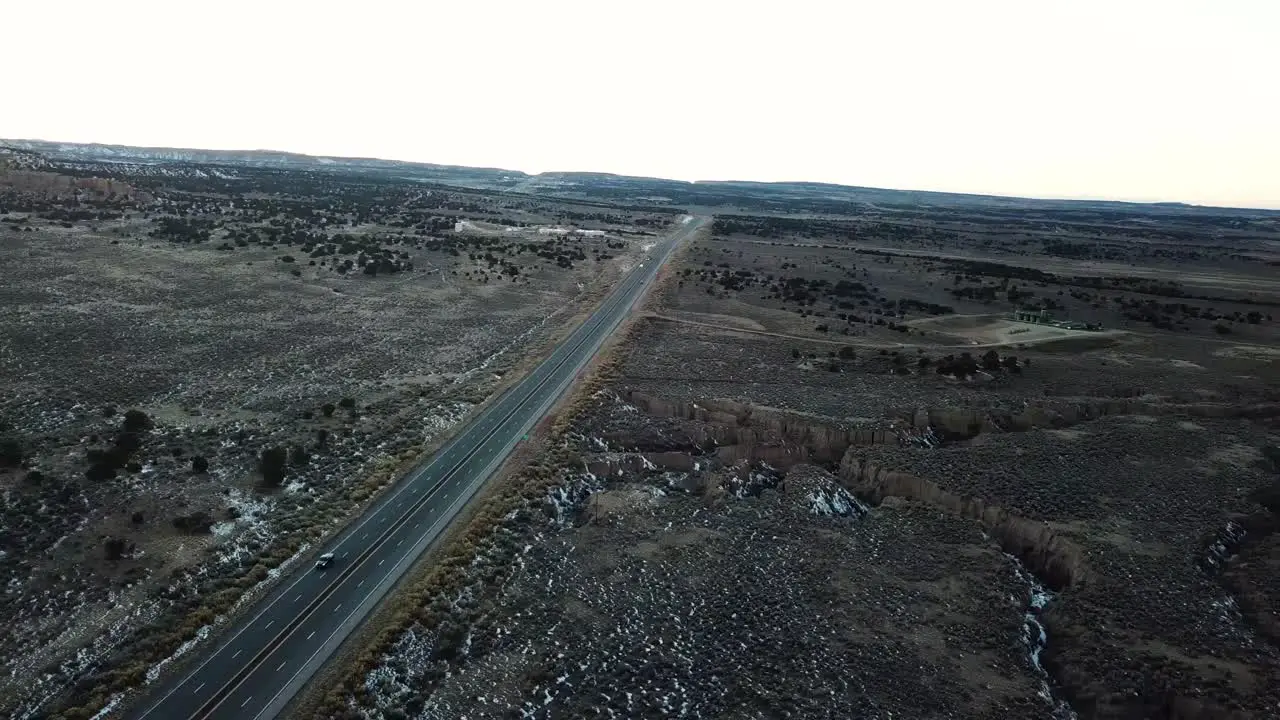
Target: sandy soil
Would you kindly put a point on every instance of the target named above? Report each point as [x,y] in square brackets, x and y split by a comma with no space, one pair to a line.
[996,331]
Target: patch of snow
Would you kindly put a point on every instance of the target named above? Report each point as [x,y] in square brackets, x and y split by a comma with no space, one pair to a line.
[109,708]
[1036,638]
[835,501]
[153,672]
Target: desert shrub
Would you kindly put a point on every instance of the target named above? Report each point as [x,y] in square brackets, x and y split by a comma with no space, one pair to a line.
[271,464]
[449,640]
[114,456]
[322,437]
[136,421]
[127,442]
[1271,453]
[196,522]
[327,409]
[299,456]
[12,453]
[991,361]
[1222,329]
[34,477]
[114,547]
[136,518]
[1268,497]
[199,465]
[960,367]
[846,353]
[101,470]
[347,403]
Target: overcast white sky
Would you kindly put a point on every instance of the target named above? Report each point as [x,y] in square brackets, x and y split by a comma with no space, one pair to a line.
[1124,99]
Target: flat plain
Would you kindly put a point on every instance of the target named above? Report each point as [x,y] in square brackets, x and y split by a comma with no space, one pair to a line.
[830,474]
[206,369]
[862,453]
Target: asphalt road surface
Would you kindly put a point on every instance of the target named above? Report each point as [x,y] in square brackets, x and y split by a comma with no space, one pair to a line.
[265,659]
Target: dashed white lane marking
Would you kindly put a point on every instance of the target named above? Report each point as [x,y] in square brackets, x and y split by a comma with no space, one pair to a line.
[233,657]
[313,632]
[246,701]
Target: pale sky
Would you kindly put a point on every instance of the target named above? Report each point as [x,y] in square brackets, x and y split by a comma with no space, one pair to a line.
[1123,99]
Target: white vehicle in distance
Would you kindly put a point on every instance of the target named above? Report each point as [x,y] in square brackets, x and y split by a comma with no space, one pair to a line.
[325,561]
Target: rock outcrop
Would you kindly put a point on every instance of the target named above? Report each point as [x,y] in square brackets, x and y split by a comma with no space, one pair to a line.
[1054,559]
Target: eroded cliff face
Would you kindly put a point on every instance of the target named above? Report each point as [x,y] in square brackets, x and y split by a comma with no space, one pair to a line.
[62,186]
[712,444]
[1054,559]
[735,432]
[1244,556]
[962,424]
[722,422]
[740,431]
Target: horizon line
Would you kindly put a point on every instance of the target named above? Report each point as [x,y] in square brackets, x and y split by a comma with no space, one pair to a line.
[1068,198]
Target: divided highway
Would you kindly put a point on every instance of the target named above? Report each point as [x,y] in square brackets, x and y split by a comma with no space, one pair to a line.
[266,658]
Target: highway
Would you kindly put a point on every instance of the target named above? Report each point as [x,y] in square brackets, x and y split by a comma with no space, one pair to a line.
[262,661]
